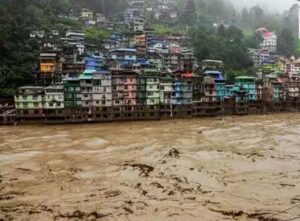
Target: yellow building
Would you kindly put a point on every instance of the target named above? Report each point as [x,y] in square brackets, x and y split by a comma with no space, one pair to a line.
[49,63]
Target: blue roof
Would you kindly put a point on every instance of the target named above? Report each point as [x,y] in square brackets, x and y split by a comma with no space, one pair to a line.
[217,75]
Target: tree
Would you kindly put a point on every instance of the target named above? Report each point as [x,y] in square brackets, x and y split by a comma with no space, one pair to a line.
[189,15]
[95,37]
[286,42]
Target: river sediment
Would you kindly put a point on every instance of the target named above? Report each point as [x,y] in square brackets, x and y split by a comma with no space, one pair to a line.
[229,168]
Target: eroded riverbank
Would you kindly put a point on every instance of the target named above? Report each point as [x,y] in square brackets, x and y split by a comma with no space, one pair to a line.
[235,168]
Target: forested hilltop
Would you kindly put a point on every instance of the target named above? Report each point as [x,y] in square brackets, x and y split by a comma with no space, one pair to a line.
[235,31]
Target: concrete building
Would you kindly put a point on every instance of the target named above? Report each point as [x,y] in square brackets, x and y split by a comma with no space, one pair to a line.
[248,85]
[130,87]
[72,93]
[269,42]
[152,86]
[138,25]
[86,14]
[86,88]
[209,93]
[118,87]
[54,97]
[166,83]
[29,102]
[102,89]
[141,98]
[219,83]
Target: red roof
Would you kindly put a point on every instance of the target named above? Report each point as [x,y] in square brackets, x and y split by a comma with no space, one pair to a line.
[261,30]
[187,75]
[268,34]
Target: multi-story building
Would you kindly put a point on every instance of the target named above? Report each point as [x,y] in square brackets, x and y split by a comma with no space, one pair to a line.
[248,85]
[182,90]
[209,93]
[166,83]
[93,63]
[138,25]
[118,87]
[123,57]
[49,63]
[155,59]
[187,60]
[86,14]
[141,97]
[152,86]
[187,91]
[54,97]
[102,89]
[292,86]
[254,55]
[269,42]
[219,83]
[29,102]
[72,93]
[130,87]
[278,90]
[54,103]
[86,89]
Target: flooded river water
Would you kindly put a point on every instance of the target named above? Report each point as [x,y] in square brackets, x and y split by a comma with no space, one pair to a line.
[233,168]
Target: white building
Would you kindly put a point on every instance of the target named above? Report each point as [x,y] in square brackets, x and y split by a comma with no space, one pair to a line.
[138,25]
[86,14]
[102,89]
[269,42]
[54,97]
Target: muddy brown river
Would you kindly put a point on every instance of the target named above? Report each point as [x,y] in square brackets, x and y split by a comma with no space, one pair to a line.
[232,168]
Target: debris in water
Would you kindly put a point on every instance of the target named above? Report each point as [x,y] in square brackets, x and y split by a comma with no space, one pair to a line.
[145,170]
[173,153]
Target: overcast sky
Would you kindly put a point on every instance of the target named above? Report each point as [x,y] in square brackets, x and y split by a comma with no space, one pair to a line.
[270,5]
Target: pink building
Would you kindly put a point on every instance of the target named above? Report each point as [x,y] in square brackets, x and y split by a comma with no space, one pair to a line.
[130,87]
[124,87]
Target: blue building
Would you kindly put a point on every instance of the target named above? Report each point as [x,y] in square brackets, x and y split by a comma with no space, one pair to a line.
[182,92]
[124,56]
[93,62]
[219,83]
[245,86]
[177,92]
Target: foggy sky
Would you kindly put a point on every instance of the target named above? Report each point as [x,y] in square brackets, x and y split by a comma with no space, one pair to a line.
[269,5]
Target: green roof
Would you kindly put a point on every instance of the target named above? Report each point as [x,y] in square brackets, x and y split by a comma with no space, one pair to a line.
[87,75]
[245,78]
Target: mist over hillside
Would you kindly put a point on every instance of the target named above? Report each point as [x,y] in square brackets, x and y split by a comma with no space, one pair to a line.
[269,5]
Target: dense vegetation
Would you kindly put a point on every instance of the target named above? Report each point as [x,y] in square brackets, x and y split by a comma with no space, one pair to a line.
[18,53]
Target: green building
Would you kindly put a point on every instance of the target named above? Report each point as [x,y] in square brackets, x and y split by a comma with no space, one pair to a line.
[72,93]
[141,98]
[152,86]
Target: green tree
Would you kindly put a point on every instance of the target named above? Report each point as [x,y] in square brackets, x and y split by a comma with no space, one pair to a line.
[189,15]
[96,36]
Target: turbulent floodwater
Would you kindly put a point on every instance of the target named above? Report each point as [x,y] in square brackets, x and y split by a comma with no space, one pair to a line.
[235,168]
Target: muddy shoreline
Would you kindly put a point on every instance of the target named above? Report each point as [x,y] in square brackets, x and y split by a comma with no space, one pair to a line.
[230,168]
